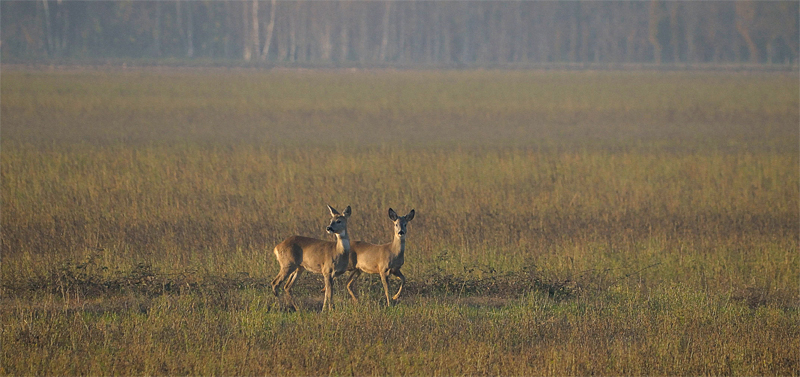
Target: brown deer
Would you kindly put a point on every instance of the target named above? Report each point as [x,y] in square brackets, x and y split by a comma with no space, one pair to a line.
[329,258]
[381,259]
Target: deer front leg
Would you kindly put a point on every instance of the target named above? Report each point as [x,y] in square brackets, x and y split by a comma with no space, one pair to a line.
[384,274]
[402,283]
[328,301]
[350,280]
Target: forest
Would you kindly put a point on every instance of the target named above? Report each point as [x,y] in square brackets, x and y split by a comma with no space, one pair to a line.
[403,33]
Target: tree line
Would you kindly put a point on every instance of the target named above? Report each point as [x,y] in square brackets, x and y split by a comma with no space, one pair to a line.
[347,33]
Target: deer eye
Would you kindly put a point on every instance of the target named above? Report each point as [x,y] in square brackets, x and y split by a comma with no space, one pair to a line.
[338,221]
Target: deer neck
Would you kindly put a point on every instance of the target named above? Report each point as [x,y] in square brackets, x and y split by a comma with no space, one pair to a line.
[343,243]
[398,245]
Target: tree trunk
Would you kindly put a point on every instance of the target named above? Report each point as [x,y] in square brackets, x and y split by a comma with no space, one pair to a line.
[575,32]
[226,39]
[47,28]
[691,33]
[655,20]
[292,54]
[674,17]
[254,37]
[745,14]
[325,42]
[189,31]
[270,28]
[387,8]
[65,34]
[342,10]
[157,31]
[361,54]
[247,51]
[179,20]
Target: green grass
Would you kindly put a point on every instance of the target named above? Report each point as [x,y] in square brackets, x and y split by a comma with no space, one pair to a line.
[568,223]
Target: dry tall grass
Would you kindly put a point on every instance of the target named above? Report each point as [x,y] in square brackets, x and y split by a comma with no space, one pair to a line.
[567,223]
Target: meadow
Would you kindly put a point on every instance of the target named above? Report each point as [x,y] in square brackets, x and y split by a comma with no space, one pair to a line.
[567,223]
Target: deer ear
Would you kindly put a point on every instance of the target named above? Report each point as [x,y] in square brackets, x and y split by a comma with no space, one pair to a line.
[410,216]
[392,214]
[347,212]
[334,212]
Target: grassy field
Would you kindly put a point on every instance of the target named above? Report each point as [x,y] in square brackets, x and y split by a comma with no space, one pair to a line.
[567,223]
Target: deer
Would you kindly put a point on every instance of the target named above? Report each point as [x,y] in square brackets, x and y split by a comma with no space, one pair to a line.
[383,259]
[329,258]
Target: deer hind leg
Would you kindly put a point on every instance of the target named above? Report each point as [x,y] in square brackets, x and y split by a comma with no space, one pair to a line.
[350,280]
[289,283]
[402,283]
[293,278]
[282,275]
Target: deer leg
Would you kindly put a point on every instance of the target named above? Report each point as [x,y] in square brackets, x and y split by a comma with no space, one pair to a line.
[350,280]
[383,274]
[282,275]
[402,283]
[328,301]
[292,278]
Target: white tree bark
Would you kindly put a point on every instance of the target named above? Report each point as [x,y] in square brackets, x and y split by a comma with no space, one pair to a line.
[270,28]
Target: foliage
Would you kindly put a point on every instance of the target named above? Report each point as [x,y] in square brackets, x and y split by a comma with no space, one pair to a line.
[402,33]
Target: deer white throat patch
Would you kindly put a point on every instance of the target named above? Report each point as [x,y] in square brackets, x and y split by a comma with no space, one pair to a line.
[345,243]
